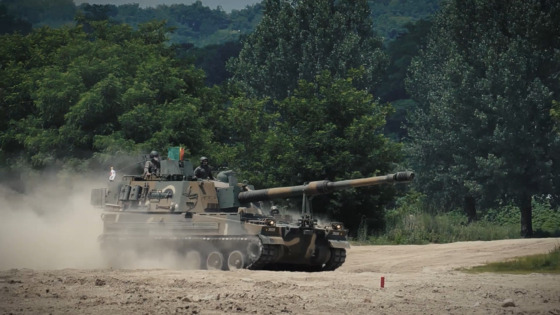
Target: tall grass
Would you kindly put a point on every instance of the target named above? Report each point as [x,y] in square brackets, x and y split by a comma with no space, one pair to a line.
[543,263]
[412,222]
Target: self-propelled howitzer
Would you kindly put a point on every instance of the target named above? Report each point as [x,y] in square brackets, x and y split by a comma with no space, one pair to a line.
[217,224]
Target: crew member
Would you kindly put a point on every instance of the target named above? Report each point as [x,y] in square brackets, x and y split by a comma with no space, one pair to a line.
[152,165]
[204,171]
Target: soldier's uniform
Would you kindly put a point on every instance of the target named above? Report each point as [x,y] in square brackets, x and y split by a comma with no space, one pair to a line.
[151,167]
[203,171]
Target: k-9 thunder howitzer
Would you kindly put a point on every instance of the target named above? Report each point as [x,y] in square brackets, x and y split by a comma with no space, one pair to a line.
[219,222]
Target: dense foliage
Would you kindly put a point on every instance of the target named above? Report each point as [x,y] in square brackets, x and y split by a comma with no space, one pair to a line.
[300,39]
[194,23]
[210,36]
[201,25]
[483,134]
[392,88]
[67,93]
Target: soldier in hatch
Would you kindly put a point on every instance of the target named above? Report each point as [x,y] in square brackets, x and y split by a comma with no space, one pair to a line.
[203,171]
[152,165]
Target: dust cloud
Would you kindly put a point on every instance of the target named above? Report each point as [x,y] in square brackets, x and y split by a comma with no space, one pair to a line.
[50,226]
[53,226]
[128,258]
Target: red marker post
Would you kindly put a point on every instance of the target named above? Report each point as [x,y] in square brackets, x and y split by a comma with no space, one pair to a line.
[382,282]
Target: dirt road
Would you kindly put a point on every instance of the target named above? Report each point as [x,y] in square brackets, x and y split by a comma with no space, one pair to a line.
[418,280]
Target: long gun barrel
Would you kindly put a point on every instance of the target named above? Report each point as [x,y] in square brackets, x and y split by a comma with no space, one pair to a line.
[321,187]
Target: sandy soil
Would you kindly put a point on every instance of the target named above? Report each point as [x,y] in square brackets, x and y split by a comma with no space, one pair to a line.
[418,280]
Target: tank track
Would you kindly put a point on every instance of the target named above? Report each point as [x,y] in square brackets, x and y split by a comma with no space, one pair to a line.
[338,257]
[268,255]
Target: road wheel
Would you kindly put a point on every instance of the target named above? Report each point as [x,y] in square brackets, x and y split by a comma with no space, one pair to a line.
[215,261]
[235,260]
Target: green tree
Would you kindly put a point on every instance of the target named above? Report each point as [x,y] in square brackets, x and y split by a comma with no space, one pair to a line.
[483,133]
[401,51]
[299,39]
[392,88]
[327,129]
[67,93]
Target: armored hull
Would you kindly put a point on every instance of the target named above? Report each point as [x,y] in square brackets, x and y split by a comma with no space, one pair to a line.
[205,244]
[223,240]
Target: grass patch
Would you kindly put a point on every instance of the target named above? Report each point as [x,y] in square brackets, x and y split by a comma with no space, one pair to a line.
[543,263]
[424,228]
[412,220]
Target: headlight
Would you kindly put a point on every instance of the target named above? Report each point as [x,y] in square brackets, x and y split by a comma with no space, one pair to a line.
[270,222]
[337,226]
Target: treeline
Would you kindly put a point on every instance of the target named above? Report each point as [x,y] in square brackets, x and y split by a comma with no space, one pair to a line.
[211,36]
[194,24]
[304,103]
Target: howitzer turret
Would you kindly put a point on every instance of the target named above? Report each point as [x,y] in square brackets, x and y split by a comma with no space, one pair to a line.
[217,224]
[321,187]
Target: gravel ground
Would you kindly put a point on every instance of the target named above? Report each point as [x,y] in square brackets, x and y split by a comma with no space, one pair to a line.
[418,279]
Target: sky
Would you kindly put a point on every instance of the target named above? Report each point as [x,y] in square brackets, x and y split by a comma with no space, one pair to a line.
[227,5]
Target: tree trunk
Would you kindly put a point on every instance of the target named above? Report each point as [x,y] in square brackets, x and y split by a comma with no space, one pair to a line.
[470,208]
[526,215]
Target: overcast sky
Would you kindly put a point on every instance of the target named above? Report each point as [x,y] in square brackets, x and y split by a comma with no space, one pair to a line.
[227,5]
